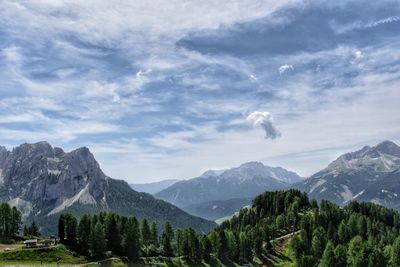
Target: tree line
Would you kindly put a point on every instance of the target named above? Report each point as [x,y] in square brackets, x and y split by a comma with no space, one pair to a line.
[358,235]
[10,220]
[104,233]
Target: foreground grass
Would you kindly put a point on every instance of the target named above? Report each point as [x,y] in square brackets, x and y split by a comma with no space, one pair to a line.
[61,255]
[161,261]
[37,256]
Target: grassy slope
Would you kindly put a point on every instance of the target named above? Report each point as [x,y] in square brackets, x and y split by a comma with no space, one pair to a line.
[160,261]
[286,258]
[38,255]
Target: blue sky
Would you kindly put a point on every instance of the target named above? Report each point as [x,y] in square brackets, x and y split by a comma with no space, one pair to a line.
[169,89]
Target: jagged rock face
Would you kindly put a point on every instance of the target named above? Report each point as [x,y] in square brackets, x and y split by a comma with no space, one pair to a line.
[347,177]
[43,182]
[247,180]
[39,172]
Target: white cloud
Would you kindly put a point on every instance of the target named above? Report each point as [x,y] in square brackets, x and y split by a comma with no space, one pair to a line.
[285,68]
[153,110]
[266,121]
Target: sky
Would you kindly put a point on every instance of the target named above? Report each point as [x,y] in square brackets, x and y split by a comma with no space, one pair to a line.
[169,89]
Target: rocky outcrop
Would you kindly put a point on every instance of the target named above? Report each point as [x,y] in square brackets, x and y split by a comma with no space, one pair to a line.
[44,181]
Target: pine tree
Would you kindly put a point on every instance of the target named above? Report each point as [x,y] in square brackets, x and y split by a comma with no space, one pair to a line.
[15,221]
[257,241]
[5,218]
[341,256]
[61,228]
[194,246]
[98,244]
[356,253]
[214,239]
[154,234]
[343,232]
[33,229]
[362,226]
[113,235]
[145,233]
[376,258]
[131,243]
[244,248]
[25,231]
[206,247]
[328,257]
[395,255]
[71,226]
[84,227]
[181,242]
[223,248]
[166,240]
[318,242]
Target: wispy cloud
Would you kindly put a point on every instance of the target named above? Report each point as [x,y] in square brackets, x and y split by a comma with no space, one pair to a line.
[169,84]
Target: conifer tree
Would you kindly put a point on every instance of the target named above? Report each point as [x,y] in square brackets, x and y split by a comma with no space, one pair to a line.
[166,240]
[98,244]
[131,242]
[341,256]
[113,235]
[395,255]
[328,257]
[356,254]
[145,233]
[154,234]
[84,227]
[71,225]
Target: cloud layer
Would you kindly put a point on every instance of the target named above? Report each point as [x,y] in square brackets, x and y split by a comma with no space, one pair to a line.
[159,89]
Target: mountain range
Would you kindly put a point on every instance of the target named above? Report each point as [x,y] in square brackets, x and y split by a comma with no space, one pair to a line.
[153,188]
[44,181]
[243,182]
[369,174]
[217,209]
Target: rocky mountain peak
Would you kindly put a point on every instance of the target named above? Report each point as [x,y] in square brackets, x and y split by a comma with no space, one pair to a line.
[382,157]
[42,181]
[37,172]
[36,149]
[252,164]
[388,147]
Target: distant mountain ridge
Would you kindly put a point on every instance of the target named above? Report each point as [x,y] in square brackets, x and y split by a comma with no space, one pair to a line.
[359,175]
[154,187]
[245,181]
[217,209]
[43,182]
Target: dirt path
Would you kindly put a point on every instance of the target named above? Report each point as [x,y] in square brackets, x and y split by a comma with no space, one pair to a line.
[273,255]
[4,247]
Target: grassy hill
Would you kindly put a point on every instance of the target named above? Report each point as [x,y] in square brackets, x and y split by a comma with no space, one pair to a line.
[36,256]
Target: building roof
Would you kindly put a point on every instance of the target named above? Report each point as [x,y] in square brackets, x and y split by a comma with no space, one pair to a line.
[30,241]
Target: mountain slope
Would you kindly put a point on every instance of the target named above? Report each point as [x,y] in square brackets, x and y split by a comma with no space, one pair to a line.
[153,188]
[385,192]
[347,177]
[245,181]
[43,182]
[217,209]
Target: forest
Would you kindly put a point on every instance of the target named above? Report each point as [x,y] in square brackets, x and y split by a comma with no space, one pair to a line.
[360,234]
[10,221]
